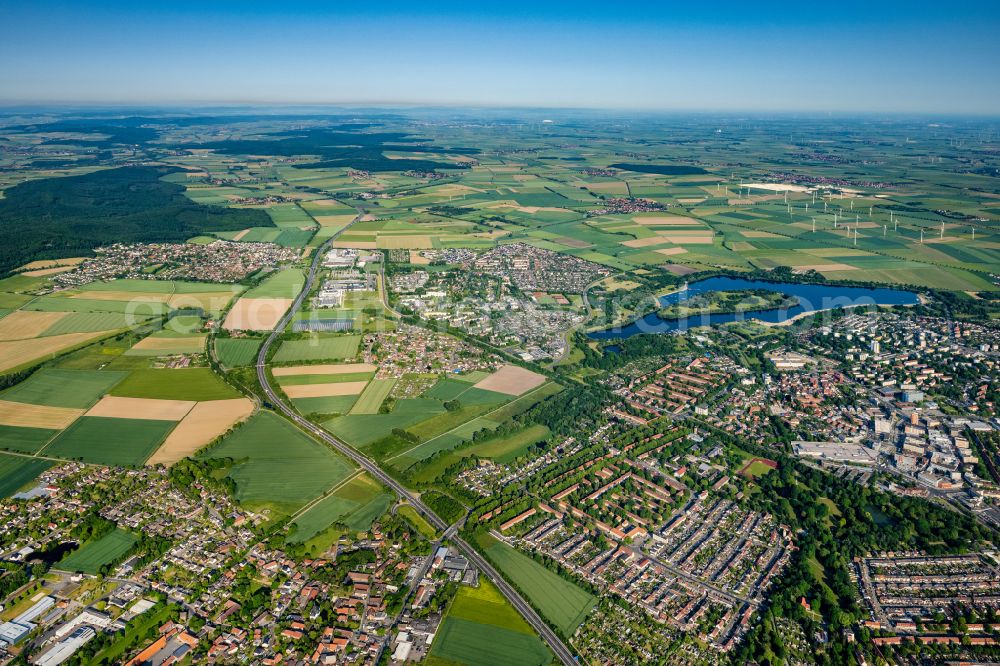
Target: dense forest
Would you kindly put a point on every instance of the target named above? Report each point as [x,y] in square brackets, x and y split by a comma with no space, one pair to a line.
[61,217]
[364,151]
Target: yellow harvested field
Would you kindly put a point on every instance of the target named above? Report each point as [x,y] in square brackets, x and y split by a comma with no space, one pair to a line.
[205,422]
[169,344]
[645,242]
[688,202]
[256,314]
[27,324]
[241,234]
[36,416]
[670,251]
[404,242]
[325,202]
[511,380]
[418,260]
[324,390]
[52,263]
[667,220]
[683,239]
[150,409]
[334,220]
[357,245]
[122,295]
[42,272]
[826,267]
[326,369]
[19,352]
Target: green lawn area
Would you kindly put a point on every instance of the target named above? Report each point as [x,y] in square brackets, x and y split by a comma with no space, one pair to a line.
[110,441]
[278,465]
[562,603]
[56,387]
[237,352]
[180,384]
[318,347]
[90,557]
[481,628]
[18,471]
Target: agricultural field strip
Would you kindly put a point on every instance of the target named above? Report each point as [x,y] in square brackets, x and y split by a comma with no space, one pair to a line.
[326,493]
[483,416]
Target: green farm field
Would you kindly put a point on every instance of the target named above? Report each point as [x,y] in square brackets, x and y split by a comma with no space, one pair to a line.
[174,384]
[286,283]
[237,352]
[318,348]
[18,471]
[373,396]
[482,629]
[561,602]
[500,449]
[277,464]
[56,387]
[110,441]
[90,557]
[356,504]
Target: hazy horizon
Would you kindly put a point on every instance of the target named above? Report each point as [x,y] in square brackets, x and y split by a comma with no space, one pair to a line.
[727,57]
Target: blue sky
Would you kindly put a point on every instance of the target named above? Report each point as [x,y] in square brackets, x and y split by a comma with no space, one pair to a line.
[697,55]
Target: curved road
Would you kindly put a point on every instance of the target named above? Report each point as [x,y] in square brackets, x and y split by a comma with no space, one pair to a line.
[554,642]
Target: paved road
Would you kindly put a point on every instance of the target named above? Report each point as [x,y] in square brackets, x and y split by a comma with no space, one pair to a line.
[554,642]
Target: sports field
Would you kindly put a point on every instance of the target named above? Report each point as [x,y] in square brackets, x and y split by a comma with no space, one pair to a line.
[279,466]
[109,441]
[561,602]
[90,557]
[482,629]
[18,471]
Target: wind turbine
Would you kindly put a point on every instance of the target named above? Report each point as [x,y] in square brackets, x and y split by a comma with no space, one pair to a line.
[855,235]
[942,229]
[814,226]
[921,235]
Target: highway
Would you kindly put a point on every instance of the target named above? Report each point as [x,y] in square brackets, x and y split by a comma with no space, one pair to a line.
[554,642]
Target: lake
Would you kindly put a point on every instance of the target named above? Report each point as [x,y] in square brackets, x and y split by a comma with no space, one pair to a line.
[811,297]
